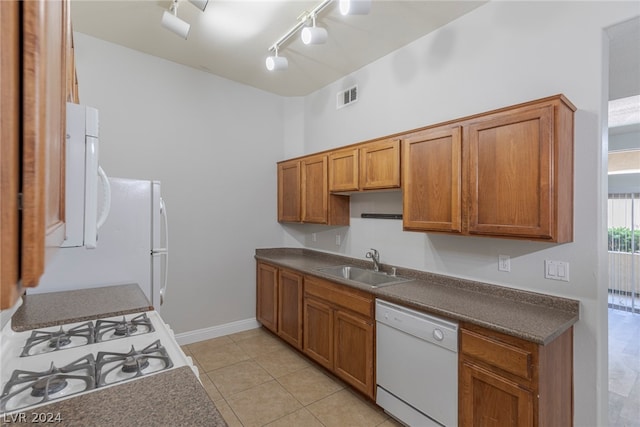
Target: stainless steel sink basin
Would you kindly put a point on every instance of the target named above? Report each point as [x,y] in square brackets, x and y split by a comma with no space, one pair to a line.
[361,275]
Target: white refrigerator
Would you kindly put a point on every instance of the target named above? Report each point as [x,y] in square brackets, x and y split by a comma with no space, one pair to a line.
[131,247]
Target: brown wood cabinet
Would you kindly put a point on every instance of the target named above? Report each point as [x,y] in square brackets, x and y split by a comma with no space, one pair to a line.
[369,166]
[279,302]
[339,332]
[303,194]
[432,179]
[505,173]
[34,73]
[507,381]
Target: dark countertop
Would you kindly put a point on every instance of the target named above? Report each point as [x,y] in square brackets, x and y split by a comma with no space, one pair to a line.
[528,315]
[170,398]
[57,308]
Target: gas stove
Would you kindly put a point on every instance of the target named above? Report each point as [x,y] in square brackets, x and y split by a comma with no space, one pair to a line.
[41,366]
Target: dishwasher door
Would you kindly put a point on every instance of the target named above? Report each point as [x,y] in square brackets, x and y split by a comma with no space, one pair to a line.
[417,366]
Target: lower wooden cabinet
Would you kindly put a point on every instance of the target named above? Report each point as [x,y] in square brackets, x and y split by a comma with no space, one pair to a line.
[339,332]
[507,381]
[279,302]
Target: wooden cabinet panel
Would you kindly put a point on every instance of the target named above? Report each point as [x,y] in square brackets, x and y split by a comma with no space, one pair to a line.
[318,332]
[517,361]
[510,179]
[380,165]
[504,380]
[290,307]
[34,72]
[267,296]
[303,193]
[339,331]
[343,170]
[432,199]
[9,152]
[315,192]
[353,358]
[492,401]
[289,208]
[43,146]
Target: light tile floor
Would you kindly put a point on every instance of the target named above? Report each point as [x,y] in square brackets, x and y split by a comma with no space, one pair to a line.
[255,379]
[624,369]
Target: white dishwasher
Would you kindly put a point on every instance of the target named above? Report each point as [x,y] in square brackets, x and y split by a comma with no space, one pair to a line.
[417,366]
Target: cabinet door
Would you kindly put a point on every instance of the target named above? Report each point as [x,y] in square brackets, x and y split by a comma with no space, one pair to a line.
[487,399]
[267,296]
[9,152]
[314,189]
[343,170]
[380,165]
[510,174]
[290,307]
[43,133]
[431,165]
[289,192]
[318,332]
[353,351]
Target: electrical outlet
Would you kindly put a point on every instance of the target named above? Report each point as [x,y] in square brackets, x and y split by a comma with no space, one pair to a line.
[314,237]
[337,240]
[556,270]
[504,263]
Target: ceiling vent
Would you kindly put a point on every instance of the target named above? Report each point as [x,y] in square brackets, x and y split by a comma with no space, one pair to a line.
[347,97]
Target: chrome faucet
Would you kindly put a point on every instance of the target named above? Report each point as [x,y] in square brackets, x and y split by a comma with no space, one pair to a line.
[375,257]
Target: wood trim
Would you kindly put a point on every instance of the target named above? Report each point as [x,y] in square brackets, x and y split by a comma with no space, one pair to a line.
[10,83]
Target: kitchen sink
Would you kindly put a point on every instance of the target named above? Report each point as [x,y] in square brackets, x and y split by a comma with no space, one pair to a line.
[365,276]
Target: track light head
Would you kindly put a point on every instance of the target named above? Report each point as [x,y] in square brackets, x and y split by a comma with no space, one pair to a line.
[276,62]
[200,4]
[172,23]
[355,7]
[314,35]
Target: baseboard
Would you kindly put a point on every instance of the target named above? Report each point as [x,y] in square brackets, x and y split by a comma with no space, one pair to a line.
[217,331]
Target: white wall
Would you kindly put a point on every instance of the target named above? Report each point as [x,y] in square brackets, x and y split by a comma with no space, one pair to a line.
[500,54]
[214,144]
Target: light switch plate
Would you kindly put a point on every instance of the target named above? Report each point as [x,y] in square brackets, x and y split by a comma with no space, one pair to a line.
[556,270]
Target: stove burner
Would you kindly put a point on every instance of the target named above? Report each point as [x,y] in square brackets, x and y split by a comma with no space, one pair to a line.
[115,367]
[47,386]
[47,341]
[59,341]
[125,330]
[23,386]
[112,329]
[134,363]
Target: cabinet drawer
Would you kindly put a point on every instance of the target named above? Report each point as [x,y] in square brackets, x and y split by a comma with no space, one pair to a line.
[339,295]
[515,360]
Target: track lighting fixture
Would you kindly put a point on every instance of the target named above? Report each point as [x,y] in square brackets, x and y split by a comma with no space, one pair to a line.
[276,62]
[171,21]
[313,34]
[355,7]
[200,4]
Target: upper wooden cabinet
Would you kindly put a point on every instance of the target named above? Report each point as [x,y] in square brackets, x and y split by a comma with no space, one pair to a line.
[432,169]
[34,91]
[303,194]
[521,172]
[370,166]
[507,173]
[289,208]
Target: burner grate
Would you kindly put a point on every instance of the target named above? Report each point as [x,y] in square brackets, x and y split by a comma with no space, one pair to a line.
[27,388]
[112,329]
[115,367]
[44,341]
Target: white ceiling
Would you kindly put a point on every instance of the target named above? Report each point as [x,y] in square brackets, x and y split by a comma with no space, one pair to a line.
[232,37]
